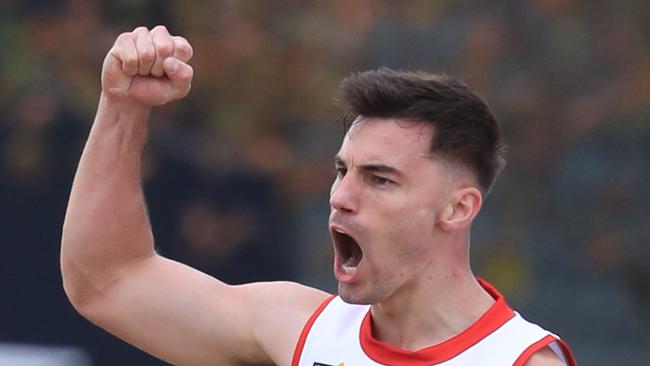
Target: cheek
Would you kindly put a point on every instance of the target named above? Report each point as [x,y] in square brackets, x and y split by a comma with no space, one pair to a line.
[412,224]
[411,236]
[403,233]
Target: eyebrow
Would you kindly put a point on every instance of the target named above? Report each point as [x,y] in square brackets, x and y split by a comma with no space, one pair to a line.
[376,168]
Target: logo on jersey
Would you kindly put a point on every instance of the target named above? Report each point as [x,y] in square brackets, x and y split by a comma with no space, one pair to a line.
[325,364]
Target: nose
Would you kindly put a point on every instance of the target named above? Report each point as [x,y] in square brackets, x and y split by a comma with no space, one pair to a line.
[344,194]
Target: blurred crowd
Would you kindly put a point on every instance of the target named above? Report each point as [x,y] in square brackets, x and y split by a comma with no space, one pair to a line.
[238,173]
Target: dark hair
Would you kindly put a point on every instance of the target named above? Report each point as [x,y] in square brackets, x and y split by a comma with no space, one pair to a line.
[464,129]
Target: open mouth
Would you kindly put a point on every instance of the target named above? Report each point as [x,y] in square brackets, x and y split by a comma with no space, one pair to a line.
[348,252]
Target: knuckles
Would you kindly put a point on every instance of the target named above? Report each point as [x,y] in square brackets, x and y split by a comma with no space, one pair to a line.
[155,43]
[142,51]
[160,28]
[130,65]
[147,56]
[141,29]
[185,50]
[123,36]
[162,41]
[164,48]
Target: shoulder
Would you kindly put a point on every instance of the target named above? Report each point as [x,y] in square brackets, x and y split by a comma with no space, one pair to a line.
[283,296]
[290,302]
[544,357]
[280,308]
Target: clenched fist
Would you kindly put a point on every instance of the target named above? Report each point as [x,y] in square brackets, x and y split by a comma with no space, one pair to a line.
[148,67]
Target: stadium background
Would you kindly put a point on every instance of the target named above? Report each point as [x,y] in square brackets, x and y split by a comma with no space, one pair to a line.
[245,161]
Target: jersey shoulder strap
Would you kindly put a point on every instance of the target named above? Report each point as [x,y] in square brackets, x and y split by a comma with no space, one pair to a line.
[339,334]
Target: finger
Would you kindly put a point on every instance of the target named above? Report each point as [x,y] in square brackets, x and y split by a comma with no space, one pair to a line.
[180,75]
[124,51]
[164,46]
[146,50]
[182,49]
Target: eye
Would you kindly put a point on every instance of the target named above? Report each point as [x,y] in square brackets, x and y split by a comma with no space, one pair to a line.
[380,181]
[340,172]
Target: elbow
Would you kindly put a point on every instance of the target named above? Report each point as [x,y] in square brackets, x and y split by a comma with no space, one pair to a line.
[72,275]
[78,288]
[79,301]
[81,273]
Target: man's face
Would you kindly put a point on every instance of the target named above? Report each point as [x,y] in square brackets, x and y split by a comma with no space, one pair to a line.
[384,203]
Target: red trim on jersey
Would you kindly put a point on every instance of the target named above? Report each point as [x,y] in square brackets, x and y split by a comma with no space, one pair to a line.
[545,342]
[305,330]
[497,315]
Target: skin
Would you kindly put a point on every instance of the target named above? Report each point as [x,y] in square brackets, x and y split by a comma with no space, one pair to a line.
[113,276]
[406,220]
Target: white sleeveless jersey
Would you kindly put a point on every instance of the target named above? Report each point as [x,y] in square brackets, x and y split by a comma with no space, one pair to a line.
[340,334]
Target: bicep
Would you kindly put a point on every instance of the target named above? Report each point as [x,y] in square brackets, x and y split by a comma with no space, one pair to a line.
[187,317]
[279,312]
[178,314]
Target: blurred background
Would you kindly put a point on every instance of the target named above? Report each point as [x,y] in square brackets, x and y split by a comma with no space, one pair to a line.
[238,173]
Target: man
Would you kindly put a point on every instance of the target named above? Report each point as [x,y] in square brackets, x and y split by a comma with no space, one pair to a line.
[420,153]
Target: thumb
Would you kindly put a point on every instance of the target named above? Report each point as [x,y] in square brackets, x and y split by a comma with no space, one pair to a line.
[180,76]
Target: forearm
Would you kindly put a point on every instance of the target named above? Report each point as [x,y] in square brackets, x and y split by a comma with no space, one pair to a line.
[106,224]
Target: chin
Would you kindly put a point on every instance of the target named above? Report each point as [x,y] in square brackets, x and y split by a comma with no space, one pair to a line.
[355,296]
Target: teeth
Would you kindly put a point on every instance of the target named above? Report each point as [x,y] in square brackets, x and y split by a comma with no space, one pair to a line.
[348,269]
[339,231]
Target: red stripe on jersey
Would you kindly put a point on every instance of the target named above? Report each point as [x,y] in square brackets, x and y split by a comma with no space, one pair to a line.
[545,342]
[305,330]
[497,315]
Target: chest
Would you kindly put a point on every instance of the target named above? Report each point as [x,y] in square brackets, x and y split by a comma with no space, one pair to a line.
[341,336]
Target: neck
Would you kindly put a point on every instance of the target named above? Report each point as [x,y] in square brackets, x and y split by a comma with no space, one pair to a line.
[431,310]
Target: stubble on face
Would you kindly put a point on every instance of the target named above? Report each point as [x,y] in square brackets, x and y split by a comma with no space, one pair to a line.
[397,220]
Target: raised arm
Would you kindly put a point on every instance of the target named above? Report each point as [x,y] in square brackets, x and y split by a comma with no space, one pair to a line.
[111,273]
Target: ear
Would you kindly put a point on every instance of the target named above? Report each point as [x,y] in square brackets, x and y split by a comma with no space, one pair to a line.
[463,206]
